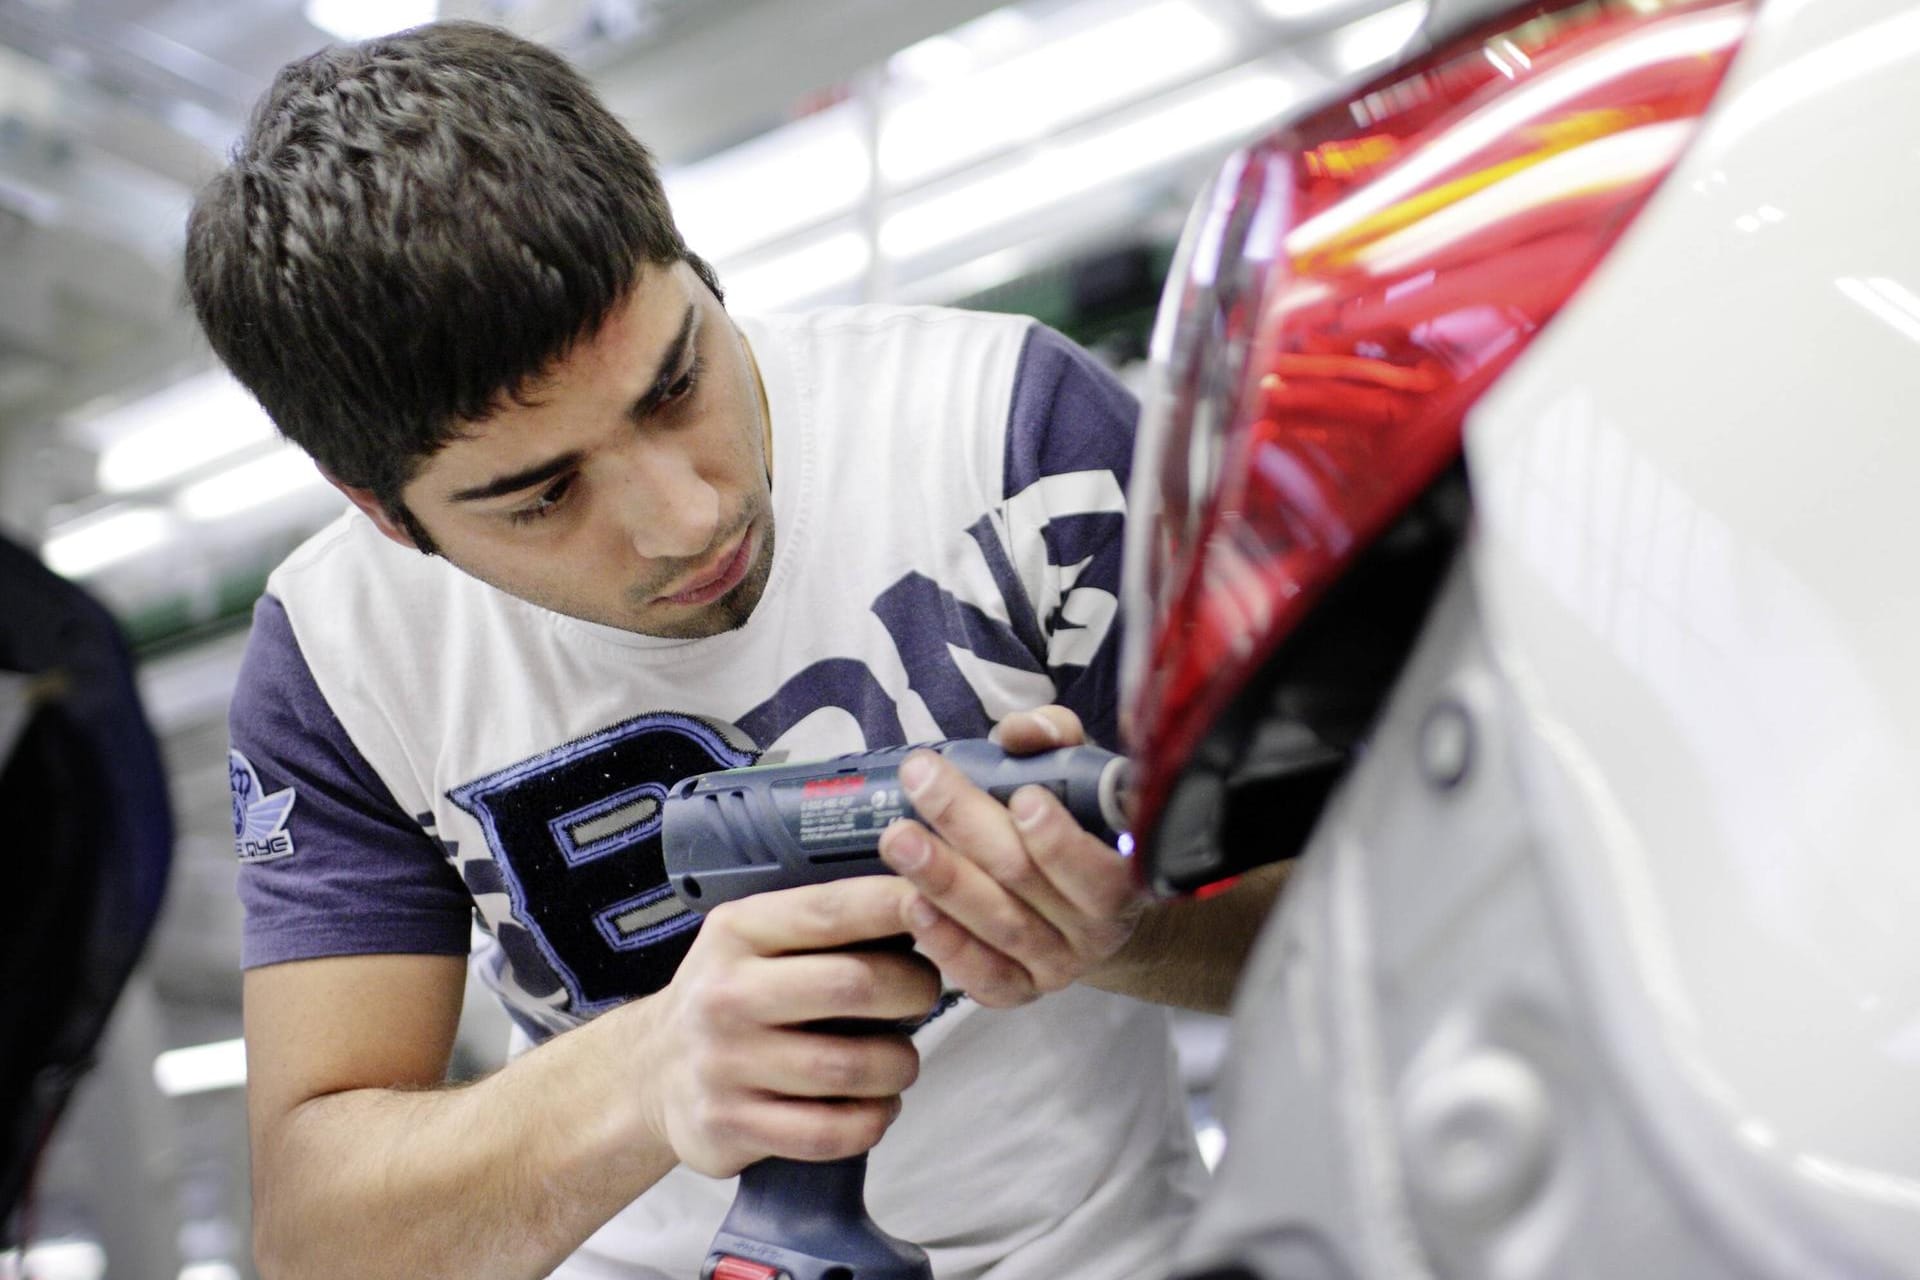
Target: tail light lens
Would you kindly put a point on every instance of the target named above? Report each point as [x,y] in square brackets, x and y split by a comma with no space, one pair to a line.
[1342,294]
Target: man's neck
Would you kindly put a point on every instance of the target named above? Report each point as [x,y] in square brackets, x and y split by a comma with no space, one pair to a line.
[766,410]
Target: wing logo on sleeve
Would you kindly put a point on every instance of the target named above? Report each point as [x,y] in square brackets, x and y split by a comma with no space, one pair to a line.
[259,821]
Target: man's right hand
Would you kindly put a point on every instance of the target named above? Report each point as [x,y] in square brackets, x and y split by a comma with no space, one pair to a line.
[738,1076]
[354,1148]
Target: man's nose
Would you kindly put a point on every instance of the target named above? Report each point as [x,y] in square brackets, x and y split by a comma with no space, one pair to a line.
[671,510]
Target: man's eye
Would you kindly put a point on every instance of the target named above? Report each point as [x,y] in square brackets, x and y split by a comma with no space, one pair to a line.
[682,387]
[545,505]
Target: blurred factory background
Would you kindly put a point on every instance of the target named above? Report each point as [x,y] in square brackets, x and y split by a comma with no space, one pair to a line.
[1035,157]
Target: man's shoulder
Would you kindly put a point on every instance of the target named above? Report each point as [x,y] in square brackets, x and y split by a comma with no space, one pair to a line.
[348,559]
[342,537]
[348,590]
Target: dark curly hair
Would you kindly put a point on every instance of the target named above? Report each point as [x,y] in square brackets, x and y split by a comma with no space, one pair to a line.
[412,228]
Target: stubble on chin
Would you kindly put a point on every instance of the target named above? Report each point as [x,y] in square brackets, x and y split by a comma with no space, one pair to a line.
[731,611]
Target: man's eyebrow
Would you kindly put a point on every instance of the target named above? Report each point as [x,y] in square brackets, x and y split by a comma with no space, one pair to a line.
[501,486]
[663,378]
[669,371]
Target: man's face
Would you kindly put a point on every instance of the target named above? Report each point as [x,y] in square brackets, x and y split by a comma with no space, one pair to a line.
[631,489]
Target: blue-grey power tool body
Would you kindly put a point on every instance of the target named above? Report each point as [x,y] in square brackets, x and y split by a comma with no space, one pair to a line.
[736,832]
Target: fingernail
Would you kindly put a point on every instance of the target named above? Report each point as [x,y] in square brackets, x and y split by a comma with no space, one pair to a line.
[922,913]
[1027,809]
[915,771]
[909,850]
[1047,726]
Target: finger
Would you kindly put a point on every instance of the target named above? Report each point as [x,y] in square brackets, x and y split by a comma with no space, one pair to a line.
[814,1064]
[1071,880]
[962,891]
[1091,884]
[814,917]
[804,1129]
[969,820]
[788,990]
[968,964]
[1042,729]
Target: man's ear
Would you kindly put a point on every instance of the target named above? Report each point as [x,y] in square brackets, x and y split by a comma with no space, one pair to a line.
[372,508]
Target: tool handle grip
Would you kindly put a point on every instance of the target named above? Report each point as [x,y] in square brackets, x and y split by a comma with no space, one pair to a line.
[809,1221]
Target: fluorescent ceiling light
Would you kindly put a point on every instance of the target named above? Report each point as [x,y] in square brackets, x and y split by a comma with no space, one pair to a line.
[209,1271]
[172,432]
[88,545]
[773,185]
[1300,10]
[935,60]
[1027,97]
[806,173]
[56,1260]
[994,36]
[1219,111]
[253,483]
[805,272]
[364,19]
[1378,36]
[977,275]
[201,1068]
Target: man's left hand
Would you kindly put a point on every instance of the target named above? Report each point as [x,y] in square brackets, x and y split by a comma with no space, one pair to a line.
[1013,900]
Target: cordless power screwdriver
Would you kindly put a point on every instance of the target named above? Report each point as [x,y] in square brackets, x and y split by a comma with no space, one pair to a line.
[736,832]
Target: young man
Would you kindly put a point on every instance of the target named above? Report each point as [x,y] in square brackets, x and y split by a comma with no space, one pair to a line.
[607,536]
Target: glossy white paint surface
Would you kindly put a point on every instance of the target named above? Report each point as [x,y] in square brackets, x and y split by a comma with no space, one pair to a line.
[1699,497]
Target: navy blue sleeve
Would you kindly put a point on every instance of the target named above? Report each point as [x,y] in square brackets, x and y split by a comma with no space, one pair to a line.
[1070,414]
[330,864]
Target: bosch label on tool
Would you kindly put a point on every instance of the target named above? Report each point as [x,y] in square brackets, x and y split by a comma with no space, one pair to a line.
[832,811]
[834,786]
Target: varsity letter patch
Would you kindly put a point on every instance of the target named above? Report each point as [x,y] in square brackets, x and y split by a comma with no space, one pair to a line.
[575,833]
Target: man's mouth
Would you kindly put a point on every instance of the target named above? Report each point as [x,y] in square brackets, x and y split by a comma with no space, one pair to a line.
[717,576]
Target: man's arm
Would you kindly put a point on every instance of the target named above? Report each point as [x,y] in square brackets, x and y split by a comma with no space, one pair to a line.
[1189,952]
[364,1164]
[357,927]
[1017,900]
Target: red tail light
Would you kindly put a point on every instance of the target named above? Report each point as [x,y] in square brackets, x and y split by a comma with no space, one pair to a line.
[1343,294]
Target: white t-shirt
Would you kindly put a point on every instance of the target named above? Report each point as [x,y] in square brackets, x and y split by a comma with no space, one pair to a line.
[412,746]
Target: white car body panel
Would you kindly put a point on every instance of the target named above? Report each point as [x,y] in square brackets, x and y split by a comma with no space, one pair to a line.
[1698,503]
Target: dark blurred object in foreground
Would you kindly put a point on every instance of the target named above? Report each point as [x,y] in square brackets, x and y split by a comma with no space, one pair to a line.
[88,839]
